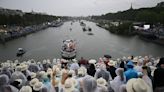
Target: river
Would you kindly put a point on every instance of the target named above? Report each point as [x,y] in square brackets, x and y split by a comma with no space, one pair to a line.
[46,44]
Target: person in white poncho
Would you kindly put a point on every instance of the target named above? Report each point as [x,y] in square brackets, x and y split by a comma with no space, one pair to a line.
[118,80]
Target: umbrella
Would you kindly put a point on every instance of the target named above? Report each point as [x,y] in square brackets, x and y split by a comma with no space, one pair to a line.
[107,56]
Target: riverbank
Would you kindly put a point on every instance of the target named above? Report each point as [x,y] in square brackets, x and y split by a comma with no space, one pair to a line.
[157,41]
[120,28]
[127,28]
[12,32]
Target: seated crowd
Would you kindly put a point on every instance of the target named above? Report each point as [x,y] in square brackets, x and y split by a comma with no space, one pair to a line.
[131,74]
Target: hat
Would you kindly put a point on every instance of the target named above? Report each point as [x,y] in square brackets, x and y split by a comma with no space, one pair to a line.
[101,82]
[112,63]
[92,61]
[28,62]
[71,72]
[33,61]
[48,61]
[38,63]
[24,67]
[26,89]
[137,85]
[49,71]
[124,58]
[139,57]
[33,81]
[13,65]
[44,61]
[68,85]
[38,86]
[18,68]
[140,74]
[107,56]
[33,75]
[74,60]
[82,71]
[129,57]
[57,69]
[6,64]
[130,63]
[135,60]
[41,74]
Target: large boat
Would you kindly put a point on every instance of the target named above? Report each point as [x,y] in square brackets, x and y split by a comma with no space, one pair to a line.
[20,52]
[68,50]
[82,23]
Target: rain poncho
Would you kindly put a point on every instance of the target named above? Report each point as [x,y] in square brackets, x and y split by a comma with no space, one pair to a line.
[4,79]
[33,68]
[147,80]
[138,68]
[74,66]
[48,85]
[130,73]
[6,71]
[89,84]
[18,75]
[117,82]
[10,88]
[26,73]
[104,74]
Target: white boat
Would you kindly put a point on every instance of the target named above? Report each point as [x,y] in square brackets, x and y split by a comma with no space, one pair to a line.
[20,52]
[68,50]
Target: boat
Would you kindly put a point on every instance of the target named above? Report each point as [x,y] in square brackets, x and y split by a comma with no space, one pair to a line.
[147,34]
[84,29]
[56,24]
[82,23]
[20,52]
[89,29]
[68,50]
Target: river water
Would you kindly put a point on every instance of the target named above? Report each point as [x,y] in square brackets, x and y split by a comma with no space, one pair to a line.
[46,44]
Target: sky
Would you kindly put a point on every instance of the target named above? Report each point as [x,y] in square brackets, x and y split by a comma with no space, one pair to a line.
[76,7]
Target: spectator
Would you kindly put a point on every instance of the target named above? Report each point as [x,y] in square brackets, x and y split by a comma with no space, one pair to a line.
[130,73]
[159,77]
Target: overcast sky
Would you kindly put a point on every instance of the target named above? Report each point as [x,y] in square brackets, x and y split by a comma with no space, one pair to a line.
[76,7]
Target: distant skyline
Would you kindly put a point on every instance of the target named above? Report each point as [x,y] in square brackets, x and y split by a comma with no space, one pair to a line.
[76,7]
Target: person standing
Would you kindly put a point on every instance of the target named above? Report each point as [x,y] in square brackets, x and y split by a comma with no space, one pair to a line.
[130,73]
[159,77]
